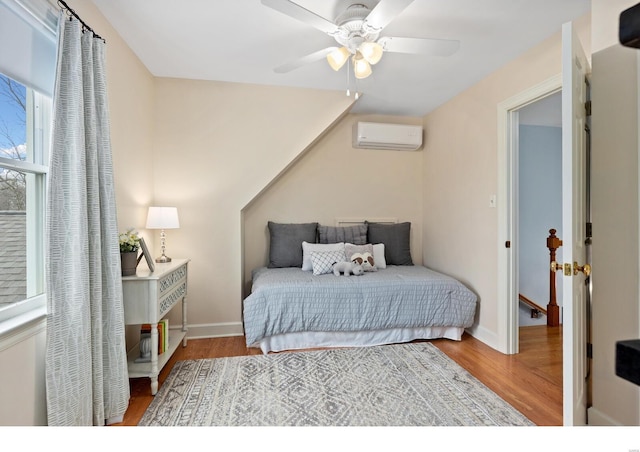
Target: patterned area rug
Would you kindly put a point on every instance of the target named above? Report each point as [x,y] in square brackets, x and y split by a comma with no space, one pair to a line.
[394,385]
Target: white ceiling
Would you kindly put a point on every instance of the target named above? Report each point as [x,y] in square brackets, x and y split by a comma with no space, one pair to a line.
[243,40]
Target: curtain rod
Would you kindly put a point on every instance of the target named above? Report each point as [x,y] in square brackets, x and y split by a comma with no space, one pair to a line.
[74,14]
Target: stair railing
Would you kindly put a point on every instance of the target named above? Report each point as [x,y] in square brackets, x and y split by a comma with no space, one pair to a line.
[553,310]
[536,309]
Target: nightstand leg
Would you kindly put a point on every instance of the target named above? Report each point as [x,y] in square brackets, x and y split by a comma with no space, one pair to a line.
[184,320]
[154,358]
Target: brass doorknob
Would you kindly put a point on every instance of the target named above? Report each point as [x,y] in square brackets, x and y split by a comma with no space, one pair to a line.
[555,266]
[586,269]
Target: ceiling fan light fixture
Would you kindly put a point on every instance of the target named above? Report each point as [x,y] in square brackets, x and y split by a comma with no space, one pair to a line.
[361,67]
[338,57]
[371,51]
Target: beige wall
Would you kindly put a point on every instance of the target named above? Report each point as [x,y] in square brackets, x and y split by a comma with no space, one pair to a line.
[22,382]
[616,307]
[217,146]
[335,180]
[22,376]
[460,175]
[606,19]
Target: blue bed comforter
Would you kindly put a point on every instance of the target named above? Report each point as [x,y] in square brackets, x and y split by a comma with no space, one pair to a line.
[287,300]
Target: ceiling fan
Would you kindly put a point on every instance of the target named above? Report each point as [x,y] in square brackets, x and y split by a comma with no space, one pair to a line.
[357,30]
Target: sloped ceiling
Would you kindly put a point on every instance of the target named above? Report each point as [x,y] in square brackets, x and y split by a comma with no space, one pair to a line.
[244,40]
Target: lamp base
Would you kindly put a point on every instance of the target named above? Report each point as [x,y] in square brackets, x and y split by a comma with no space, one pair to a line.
[163,259]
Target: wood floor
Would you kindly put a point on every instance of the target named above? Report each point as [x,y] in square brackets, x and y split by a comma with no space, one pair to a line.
[531,380]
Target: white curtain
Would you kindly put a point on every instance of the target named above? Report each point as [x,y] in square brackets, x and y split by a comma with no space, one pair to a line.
[86,365]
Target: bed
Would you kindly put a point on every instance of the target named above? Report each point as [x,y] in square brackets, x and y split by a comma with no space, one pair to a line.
[300,303]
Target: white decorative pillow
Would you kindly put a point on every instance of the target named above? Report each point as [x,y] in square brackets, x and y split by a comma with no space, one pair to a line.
[308,248]
[322,261]
[378,255]
[362,254]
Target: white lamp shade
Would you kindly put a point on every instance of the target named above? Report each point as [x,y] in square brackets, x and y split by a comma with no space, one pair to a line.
[338,57]
[371,51]
[163,218]
[361,67]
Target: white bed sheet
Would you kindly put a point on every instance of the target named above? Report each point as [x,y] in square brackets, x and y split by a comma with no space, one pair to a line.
[304,340]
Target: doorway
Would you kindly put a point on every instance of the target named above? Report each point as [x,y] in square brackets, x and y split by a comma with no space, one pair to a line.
[509,113]
[539,187]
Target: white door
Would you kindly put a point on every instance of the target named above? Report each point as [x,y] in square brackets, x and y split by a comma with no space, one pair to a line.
[575,70]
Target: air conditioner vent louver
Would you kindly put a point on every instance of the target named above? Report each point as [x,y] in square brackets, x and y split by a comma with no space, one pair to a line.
[398,137]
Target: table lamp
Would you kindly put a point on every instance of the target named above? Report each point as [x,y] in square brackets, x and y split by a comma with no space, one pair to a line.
[163,218]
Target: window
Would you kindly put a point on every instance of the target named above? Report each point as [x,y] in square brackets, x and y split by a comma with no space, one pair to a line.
[28,48]
[24,131]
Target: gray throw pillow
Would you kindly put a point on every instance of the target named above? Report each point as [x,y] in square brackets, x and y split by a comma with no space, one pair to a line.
[396,239]
[285,245]
[349,234]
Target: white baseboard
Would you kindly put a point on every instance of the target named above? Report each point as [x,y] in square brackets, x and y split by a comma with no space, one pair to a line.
[484,335]
[206,331]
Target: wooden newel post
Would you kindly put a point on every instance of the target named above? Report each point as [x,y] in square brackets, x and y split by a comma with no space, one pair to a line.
[553,310]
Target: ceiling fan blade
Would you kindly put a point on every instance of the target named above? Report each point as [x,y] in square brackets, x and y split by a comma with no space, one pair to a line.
[296,11]
[384,12]
[420,46]
[311,58]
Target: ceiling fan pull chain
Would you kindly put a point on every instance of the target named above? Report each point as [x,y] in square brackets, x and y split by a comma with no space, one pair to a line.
[356,94]
[348,81]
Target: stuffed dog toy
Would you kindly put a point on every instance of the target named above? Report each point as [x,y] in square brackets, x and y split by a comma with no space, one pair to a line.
[366,260]
[347,268]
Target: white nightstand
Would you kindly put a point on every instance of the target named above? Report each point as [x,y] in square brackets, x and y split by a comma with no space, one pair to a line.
[148,297]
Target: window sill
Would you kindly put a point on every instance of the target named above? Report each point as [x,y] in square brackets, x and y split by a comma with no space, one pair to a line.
[21,327]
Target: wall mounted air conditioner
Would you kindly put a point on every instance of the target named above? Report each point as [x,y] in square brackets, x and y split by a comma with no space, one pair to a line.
[375,135]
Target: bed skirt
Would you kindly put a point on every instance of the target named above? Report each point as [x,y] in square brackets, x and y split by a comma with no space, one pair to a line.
[306,340]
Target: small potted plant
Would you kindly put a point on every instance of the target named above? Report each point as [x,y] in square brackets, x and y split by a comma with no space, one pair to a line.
[129,246]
